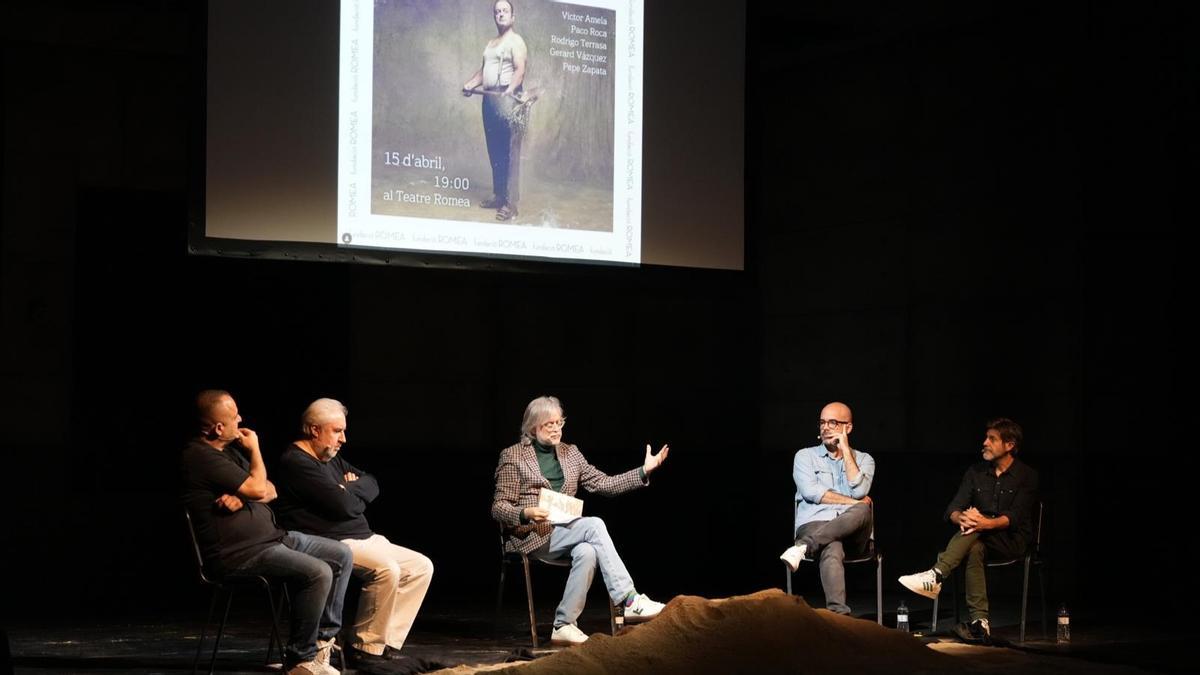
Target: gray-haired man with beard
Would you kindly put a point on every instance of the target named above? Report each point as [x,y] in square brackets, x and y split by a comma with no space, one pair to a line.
[322,493]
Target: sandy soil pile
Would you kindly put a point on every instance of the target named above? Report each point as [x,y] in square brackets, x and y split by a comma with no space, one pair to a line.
[772,632]
[767,632]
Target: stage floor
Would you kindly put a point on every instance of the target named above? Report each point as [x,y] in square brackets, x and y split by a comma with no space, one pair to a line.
[470,636]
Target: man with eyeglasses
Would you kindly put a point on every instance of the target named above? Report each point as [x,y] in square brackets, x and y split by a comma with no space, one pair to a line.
[993,511]
[833,511]
[541,460]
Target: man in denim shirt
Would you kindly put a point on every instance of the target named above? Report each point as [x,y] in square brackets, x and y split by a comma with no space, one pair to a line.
[833,511]
[993,512]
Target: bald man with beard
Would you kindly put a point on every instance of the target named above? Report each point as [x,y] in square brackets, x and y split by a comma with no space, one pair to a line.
[833,511]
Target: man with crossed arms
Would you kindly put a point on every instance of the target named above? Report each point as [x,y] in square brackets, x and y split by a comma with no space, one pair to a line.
[322,493]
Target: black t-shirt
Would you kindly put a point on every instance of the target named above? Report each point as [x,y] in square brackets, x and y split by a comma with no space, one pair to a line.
[226,539]
[316,498]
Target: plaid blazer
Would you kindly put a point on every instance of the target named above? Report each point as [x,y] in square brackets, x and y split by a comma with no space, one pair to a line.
[518,480]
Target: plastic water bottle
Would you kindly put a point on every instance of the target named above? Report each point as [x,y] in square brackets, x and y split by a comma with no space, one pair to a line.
[902,617]
[1064,625]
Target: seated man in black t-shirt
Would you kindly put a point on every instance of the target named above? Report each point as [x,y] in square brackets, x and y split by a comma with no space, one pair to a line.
[321,493]
[225,489]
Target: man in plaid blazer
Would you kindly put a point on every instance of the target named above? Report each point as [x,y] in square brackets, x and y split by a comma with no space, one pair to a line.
[542,460]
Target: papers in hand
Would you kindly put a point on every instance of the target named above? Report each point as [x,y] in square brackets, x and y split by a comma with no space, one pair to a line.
[563,508]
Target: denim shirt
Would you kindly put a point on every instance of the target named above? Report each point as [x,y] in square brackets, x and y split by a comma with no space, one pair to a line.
[816,472]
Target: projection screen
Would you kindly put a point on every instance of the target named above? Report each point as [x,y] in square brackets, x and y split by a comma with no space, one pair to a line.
[411,131]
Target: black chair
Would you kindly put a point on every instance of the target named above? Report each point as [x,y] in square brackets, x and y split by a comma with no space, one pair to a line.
[871,553]
[524,560]
[228,585]
[1032,558]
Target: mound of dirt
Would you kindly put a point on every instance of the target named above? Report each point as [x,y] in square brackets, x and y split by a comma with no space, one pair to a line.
[766,632]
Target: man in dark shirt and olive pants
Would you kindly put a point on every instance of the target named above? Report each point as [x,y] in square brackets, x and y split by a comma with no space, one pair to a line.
[993,512]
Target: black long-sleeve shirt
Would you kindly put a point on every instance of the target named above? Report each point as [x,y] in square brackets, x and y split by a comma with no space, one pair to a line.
[1011,494]
[315,497]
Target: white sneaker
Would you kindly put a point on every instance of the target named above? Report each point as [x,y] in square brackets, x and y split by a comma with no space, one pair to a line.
[793,556]
[643,608]
[324,653]
[567,634]
[923,583]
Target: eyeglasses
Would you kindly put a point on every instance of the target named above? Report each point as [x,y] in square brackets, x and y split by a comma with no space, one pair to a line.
[554,424]
[831,423]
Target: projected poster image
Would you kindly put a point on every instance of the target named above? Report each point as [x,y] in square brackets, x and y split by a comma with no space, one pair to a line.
[470,126]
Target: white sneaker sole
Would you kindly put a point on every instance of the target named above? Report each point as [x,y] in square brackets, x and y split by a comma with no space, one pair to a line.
[564,643]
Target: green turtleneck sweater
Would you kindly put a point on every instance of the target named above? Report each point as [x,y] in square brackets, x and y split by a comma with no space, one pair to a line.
[548,464]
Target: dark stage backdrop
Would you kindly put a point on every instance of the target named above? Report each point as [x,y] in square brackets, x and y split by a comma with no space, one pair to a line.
[954,213]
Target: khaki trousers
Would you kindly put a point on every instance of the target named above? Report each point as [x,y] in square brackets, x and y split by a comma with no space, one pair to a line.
[395,580]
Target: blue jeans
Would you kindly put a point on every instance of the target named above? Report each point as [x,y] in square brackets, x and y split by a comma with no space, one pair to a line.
[504,148]
[316,571]
[587,542]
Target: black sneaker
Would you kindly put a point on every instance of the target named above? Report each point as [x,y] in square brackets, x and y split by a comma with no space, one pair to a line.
[392,662]
[366,662]
[978,632]
[389,654]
